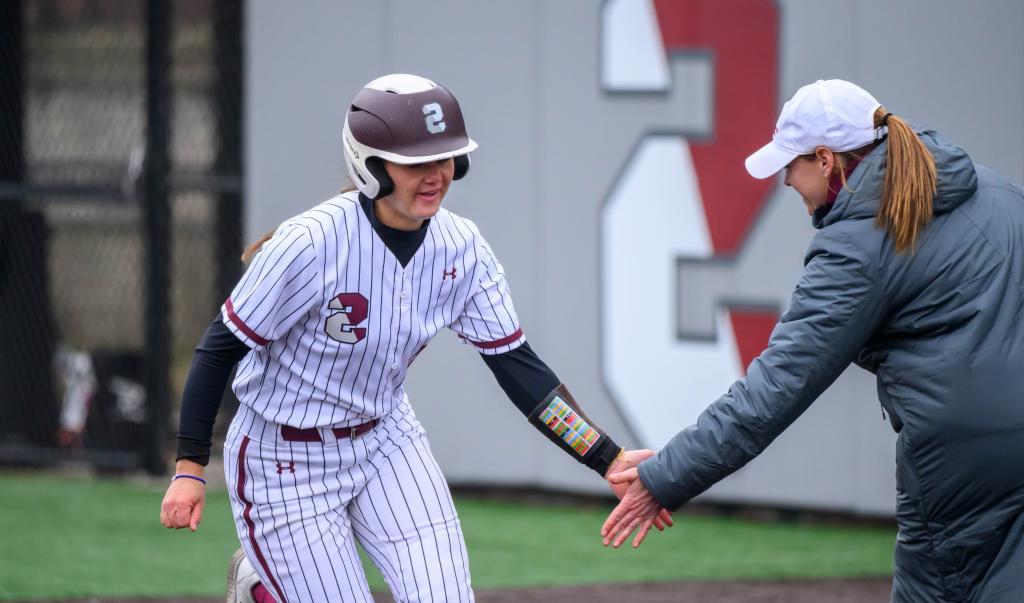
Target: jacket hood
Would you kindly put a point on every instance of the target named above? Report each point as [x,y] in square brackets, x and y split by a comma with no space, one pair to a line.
[956,181]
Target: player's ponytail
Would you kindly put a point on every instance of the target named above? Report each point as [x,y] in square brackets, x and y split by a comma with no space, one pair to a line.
[909,183]
[255,247]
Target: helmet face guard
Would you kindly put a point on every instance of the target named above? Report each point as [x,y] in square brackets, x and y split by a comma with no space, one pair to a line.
[404,119]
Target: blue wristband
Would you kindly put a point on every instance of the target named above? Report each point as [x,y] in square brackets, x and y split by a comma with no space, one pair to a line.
[195,477]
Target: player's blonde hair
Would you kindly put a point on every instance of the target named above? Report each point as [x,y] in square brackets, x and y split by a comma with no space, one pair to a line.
[253,248]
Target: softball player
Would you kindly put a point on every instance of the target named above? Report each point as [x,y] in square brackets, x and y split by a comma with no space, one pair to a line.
[325,449]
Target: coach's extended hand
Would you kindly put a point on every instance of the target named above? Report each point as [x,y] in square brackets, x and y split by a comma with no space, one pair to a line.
[637,508]
[629,459]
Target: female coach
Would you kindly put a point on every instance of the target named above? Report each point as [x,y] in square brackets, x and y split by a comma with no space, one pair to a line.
[325,449]
[917,275]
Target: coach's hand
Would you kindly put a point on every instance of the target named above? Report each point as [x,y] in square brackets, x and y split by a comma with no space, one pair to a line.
[629,460]
[638,509]
[184,500]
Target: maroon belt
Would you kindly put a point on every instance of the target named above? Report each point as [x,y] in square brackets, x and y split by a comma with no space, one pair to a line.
[312,434]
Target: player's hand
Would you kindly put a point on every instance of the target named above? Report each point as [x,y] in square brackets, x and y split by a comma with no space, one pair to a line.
[638,509]
[629,460]
[183,503]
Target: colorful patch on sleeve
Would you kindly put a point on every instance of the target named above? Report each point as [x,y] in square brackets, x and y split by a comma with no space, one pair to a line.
[570,426]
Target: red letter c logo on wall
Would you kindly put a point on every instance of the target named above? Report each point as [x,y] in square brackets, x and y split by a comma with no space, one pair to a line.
[683,207]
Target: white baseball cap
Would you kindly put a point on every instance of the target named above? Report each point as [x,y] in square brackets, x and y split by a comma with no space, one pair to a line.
[828,113]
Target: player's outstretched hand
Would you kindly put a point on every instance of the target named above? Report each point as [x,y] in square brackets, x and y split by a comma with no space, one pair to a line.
[629,460]
[637,509]
[183,503]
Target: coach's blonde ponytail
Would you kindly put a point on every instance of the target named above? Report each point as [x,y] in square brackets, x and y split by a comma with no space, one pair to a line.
[909,185]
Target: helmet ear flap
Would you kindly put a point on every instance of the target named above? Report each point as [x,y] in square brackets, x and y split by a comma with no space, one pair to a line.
[375,166]
[461,166]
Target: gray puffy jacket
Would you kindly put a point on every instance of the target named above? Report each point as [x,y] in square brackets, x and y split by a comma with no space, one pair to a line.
[943,331]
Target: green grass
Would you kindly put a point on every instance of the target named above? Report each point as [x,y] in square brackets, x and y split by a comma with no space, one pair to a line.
[62,537]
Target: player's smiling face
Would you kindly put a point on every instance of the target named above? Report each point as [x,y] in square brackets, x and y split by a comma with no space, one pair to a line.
[419,189]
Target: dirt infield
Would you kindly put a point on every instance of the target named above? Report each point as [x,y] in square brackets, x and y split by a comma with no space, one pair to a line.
[865,590]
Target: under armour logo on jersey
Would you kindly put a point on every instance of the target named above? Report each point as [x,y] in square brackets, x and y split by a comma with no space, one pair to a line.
[447,274]
[290,466]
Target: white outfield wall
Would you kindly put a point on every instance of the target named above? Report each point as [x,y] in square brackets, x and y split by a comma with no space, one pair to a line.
[645,264]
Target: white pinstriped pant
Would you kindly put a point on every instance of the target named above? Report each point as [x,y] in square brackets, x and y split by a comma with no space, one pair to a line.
[299,507]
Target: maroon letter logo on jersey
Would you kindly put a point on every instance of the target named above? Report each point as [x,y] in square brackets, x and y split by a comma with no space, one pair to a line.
[341,326]
[290,466]
[447,274]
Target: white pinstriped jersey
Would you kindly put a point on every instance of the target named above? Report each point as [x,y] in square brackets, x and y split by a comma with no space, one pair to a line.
[334,319]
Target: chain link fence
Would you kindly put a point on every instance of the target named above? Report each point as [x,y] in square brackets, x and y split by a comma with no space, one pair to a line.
[120,213]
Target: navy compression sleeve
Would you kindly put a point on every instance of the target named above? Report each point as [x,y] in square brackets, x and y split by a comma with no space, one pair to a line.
[523,376]
[216,356]
[531,386]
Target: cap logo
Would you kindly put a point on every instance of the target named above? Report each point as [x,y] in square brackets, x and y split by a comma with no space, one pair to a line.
[435,118]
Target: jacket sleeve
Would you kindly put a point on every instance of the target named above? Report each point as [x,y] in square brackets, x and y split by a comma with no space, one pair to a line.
[837,305]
